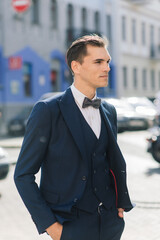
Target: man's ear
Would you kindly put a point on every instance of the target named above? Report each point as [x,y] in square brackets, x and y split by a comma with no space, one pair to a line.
[75,66]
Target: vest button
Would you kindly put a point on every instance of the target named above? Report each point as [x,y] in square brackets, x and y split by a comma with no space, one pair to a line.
[75,200]
[107,188]
[94,171]
[84,178]
[94,154]
[95,189]
[105,154]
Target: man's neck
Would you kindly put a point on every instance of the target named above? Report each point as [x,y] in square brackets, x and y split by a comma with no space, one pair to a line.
[86,90]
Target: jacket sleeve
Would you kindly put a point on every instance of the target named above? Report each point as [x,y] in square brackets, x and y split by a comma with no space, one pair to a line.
[31,157]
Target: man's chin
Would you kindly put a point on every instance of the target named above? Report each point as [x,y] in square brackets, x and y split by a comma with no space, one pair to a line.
[104,85]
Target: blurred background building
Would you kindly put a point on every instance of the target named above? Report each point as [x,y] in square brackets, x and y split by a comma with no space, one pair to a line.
[33,46]
[139,58]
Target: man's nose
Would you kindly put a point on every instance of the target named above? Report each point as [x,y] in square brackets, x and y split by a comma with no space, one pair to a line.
[107,67]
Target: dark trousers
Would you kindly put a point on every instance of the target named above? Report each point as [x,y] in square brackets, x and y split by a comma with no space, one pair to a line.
[102,225]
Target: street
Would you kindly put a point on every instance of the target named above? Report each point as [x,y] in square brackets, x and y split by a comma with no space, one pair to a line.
[142,223]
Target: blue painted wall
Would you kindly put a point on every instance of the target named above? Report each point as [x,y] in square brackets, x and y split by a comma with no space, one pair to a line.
[13,79]
[64,83]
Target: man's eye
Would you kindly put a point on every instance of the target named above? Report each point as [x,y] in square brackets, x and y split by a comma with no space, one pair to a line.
[98,62]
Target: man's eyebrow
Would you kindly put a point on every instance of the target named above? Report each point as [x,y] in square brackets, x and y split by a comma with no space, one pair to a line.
[101,60]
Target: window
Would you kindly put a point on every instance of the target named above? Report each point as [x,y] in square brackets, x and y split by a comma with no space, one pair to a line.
[159,36]
[54,14]
[159,41]
[152,35]
[135,78]
[124,69]
[159,80]
[70,15]
[123,28]
[143,31]
[134,31]
[35,11]
[84,18]
[27,79]
[109,32]
[144,78]
[97,21]
[152,46]
[152,79]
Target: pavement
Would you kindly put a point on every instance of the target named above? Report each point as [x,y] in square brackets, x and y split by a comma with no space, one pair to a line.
[142,223]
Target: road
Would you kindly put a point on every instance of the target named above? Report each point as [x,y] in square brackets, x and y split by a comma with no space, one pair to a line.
[142,223]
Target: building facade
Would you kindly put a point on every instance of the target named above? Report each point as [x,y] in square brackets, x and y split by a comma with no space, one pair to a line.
[33,46]
[138,65]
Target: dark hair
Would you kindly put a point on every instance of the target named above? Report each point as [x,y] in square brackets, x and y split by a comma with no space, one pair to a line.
[78,50]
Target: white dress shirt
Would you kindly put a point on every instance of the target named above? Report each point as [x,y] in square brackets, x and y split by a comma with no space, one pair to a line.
[91,114]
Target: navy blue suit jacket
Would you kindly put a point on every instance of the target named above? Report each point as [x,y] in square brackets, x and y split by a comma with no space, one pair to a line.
[54,143]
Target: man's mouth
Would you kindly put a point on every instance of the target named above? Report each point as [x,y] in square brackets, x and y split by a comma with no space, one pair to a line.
[104,76]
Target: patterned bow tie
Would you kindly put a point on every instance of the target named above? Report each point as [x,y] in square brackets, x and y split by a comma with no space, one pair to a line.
[94,103]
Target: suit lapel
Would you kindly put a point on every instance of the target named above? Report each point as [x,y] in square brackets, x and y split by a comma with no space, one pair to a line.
[69,110]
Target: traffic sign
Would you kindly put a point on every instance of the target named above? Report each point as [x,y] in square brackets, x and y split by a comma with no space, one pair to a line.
[15,63]
[21,5]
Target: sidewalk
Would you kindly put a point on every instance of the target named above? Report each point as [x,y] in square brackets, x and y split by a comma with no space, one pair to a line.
[142,223]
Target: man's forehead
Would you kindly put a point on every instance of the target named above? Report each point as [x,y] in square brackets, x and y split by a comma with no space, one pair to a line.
[97,52]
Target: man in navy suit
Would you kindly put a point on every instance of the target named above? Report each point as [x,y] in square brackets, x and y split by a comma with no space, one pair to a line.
[72,138]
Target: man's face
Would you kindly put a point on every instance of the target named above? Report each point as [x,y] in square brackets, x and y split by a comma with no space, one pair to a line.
[95,67]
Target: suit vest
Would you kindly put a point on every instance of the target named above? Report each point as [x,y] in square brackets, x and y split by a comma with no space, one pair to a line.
[99,188]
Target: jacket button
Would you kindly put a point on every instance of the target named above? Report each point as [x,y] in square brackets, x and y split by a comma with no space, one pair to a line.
[84,178]
[95,189]
[75,200]
[105,154]
[107,188]
[94,171]
[94,154]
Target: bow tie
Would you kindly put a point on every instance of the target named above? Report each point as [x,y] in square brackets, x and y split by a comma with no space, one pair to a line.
[94,103]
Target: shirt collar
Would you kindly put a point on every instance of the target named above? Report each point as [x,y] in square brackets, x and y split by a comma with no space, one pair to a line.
[79,96]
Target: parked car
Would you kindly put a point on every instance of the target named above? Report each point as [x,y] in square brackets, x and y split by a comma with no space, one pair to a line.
[16,125]
[4,164]
[122,119]
[127,118]
[145,109]
[154,143]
